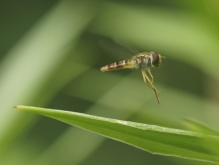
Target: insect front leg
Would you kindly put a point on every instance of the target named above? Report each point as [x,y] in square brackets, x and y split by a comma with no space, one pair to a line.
[152,78]
[145,77]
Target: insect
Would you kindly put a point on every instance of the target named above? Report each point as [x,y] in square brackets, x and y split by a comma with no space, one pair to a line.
[143,61]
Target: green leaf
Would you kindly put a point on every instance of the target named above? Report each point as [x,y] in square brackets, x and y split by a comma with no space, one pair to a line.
[211,144]
[199,127]
[154,139]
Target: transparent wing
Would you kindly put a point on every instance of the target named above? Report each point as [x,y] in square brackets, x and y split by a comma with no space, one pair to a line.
[118,48]
[125,45]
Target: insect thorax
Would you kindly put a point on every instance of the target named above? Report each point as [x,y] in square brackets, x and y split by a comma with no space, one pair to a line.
[143,61]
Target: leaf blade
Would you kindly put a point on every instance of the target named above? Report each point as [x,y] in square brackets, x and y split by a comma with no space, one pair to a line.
[154,139]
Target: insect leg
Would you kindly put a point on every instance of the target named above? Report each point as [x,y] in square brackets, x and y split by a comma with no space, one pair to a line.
[145,77]
[152,78]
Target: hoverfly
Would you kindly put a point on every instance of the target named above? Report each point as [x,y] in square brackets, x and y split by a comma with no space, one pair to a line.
[143,61]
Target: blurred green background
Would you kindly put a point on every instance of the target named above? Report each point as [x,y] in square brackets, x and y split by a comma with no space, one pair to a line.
[51,55]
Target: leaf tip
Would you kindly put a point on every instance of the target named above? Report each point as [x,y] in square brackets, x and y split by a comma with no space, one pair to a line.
[16,106]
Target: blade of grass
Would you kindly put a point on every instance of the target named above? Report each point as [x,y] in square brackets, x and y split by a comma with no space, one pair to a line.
[45,46]
[86,142]
[155,139]
[199,127]
[212,144]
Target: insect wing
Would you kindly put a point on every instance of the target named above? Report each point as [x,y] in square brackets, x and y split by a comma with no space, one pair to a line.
[117,48]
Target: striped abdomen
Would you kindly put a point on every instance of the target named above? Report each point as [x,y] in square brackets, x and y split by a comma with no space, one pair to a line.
[120,65]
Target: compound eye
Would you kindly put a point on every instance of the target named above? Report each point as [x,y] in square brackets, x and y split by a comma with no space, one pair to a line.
[155,59]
